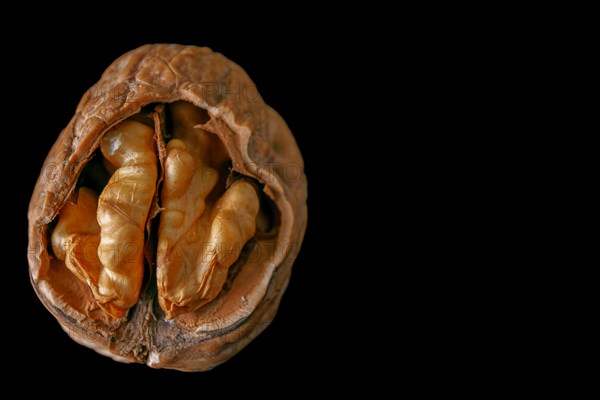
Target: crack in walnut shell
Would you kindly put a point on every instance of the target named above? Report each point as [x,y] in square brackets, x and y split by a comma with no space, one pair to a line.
[165,221]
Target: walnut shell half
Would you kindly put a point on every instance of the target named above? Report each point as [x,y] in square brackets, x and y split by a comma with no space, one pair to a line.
[126,172]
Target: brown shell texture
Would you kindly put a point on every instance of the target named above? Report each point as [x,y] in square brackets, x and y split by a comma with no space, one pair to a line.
[260,146]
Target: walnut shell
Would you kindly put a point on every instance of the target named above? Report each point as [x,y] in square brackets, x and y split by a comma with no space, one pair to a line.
[260,147]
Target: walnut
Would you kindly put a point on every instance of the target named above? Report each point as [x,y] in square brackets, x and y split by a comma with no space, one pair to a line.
[164,224]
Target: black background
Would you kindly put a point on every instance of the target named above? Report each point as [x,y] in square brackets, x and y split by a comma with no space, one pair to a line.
[347,82]
[298,70]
